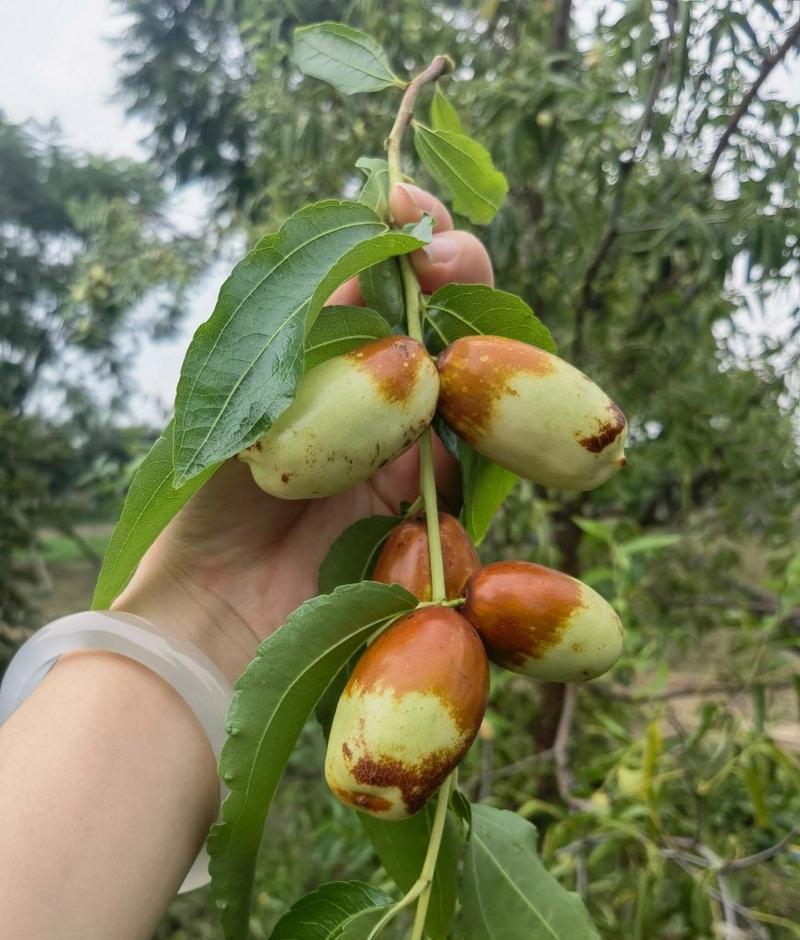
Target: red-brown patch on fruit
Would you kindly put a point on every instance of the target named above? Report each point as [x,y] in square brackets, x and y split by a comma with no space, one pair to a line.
[475,373]
[432,651]
[392,363]
[368,801]
[416,782]
[607,431]
[405,558]
[520,609]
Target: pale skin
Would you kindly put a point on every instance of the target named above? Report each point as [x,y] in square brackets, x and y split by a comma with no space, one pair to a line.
[107,782]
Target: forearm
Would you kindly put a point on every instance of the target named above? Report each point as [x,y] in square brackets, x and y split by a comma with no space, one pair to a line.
[107,790]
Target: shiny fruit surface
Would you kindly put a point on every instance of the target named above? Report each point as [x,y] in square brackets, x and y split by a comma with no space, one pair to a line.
[541,622]
[405,558]
[351,415]
[531,412]
[408,713]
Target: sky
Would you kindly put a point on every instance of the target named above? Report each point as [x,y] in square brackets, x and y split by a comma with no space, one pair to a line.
[57,61]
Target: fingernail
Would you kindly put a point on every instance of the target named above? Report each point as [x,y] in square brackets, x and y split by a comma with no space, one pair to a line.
[441,250]
[415,195]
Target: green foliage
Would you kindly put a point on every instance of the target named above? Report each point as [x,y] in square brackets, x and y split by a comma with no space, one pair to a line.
[401,847]
[506,883]
[346,58]
[337,330]
[255,337]
[151,502]
[332,911]
[457,310]
[444,116]
[353,555]
[464,170]
[82,244]
[270,705]
[485,487]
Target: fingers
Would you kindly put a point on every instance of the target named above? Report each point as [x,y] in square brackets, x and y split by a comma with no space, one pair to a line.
[347,293]
[452,256]
[407,203]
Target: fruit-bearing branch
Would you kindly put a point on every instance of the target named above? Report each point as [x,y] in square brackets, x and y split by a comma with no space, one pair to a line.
[440,65]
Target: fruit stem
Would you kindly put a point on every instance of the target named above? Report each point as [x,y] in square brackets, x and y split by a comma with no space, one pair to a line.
[432,855]
[439,66]
[422,886]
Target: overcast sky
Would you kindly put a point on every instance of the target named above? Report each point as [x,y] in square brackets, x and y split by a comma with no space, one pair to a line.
[57,62]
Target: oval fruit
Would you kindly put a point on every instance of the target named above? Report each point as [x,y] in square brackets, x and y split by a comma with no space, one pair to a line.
[541,622]
[408,713]
[405,558]
[351,415]
[531,412]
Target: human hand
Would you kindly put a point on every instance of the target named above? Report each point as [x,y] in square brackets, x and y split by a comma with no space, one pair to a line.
[236,561]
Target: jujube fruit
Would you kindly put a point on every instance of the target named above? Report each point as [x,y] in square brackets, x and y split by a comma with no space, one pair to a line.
[405,558]
[531,412]
[408,713]
[541,622]
[351,415]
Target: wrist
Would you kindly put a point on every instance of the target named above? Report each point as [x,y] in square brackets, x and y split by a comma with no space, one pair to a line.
[177,606]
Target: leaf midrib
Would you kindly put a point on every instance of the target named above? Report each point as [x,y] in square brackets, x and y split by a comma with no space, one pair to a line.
[513,884]
[351,65]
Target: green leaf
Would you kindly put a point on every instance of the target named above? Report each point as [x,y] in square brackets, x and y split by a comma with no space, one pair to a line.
[646,544]
[444,116]
[596,529]
[243,365]
[485,485]
[422,228]
[457,310]
[352,556]
[401,847]
[344,57]
[337,330]
[270,705]
[375,191]
[325,913]
[447,436]
[507,892]
[462,808]
[151,502]
[382,288]
[464,168]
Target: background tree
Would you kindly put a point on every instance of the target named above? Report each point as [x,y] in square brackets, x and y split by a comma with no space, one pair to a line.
[83,241]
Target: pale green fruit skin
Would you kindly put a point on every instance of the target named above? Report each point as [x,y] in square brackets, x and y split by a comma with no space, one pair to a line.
[541,622]
[531,412]
[351,415]
[408,714]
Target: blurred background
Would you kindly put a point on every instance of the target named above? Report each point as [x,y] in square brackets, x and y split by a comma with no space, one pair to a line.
[651,148]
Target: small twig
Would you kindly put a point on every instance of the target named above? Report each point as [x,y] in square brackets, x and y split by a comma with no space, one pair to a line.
[440,65]
[564,778]
[737,864]
[766,67]
[561,21]
[501,773]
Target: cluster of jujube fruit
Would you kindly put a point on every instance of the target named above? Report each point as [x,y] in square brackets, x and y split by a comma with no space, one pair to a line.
[416,698]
